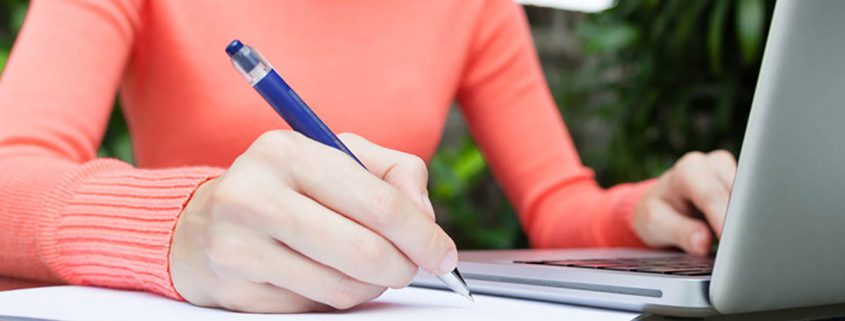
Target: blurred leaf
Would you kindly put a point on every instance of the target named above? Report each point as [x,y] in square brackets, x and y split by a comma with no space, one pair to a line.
[686,23]
[122,147]
[714,35]
[611,39]
[749,27]
[469,165]
[18,15]
[4,56]
[116,142]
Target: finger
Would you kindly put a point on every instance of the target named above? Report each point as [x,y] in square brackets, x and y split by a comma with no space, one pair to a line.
[723,164]
[246,296]
[670,227]
[339,183]
[285,268]
[334,240]
[697,182]
[406,172]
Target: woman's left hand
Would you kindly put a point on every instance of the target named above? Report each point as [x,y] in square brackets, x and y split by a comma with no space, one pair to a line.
[678,207]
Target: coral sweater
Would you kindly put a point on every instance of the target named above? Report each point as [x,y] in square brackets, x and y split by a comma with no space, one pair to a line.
[386,70]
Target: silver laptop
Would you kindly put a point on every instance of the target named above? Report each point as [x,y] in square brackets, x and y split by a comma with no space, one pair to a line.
[783,243]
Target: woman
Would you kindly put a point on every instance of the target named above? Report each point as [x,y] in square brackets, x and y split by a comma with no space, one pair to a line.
[224,209]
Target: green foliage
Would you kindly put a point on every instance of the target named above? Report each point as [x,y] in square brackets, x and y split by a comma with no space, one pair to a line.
[116,142]
[476,213]
[12,13]
[749,28]
[4,55]
[666,77]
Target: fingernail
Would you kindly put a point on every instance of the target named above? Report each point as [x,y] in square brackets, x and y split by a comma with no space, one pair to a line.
[449,262]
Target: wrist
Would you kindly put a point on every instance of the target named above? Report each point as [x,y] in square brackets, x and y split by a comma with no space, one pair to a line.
[182,240]
[631,207]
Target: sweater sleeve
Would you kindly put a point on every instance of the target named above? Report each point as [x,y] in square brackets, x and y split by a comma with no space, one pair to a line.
[65,215]
[511,114]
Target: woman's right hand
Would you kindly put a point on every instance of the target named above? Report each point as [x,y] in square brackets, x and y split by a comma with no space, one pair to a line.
[296,226]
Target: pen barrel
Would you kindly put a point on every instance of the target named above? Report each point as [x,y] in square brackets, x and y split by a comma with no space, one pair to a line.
[296,113]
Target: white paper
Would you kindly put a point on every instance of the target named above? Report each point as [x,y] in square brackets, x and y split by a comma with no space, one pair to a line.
[75,303]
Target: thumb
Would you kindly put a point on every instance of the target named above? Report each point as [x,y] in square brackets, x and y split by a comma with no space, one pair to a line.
[408,173]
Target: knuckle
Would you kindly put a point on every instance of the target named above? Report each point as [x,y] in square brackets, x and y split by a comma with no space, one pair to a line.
[287,223]
[277,143]
[696,154]
[227,192]
[269,138]
[687,168]
[385,207]
[692,159]
[372,253]
[348,137]
[678,178]
[417,164]
[225,254]
[231,201]
[347,294]
[723,154]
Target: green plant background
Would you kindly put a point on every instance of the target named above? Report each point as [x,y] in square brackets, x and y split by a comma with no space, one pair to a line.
[649,80]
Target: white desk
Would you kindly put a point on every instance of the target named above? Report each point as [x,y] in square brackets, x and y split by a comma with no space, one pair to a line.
[74,303]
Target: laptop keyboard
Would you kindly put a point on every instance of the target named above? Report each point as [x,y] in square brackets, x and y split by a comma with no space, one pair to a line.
[673,265]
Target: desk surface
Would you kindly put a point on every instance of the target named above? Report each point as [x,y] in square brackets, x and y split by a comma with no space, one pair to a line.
[92,304]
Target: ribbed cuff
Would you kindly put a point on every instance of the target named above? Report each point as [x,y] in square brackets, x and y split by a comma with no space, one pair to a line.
[111,225]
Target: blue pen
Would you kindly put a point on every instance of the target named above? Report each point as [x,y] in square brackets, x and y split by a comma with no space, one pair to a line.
[261,76]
